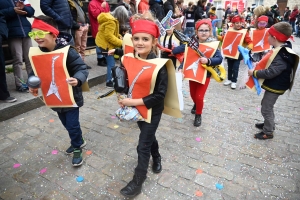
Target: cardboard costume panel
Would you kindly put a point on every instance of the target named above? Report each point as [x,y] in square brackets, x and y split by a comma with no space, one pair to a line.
[232,39]
[50,67]
[127,44]
[145,83]
[260,40]
[192,68]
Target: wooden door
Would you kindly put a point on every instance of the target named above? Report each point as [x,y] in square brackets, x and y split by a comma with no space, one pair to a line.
[281,5]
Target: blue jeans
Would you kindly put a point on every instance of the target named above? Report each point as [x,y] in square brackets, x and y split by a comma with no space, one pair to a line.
[99,52]
[70,120]
[233,68]
[292,23]
[110,64]
[3,85]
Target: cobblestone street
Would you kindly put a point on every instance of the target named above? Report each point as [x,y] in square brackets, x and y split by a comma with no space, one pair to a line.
[219,160]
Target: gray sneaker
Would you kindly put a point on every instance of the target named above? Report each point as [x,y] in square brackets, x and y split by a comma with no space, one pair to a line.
[71,149]
[10,100]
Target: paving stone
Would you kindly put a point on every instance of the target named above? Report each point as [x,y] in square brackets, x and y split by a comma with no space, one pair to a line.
[57,195]
[247,182]
[285,183]
[252,161]
[114,171]
[221,172]
[269,190]
[13,193]
[167,179]
[185,187]
[293,165]
[199,165]
[234,190]
[295,149]
[206,180]
[5,143]
[214,160]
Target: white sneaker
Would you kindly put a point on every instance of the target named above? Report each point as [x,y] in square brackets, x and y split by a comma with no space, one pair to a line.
[227,82]
[233,85]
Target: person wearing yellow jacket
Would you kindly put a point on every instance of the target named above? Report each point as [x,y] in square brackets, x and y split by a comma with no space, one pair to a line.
[108,36]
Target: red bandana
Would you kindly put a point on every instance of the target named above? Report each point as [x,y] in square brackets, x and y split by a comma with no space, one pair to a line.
[203,21]
[279,36]
[144,26]
[262,18]
[39,24]
[236,18]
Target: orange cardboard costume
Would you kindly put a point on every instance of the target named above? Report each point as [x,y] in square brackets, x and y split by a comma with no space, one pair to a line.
[231,40]
[192,68]
[260,40]
[127,45]
[145,83]
[50,67]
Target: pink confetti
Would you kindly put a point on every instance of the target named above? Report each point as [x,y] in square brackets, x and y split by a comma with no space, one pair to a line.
[113,117]
[17,165]
[258,108]
[198,139]
[241,108]
[54,152]
[43,170]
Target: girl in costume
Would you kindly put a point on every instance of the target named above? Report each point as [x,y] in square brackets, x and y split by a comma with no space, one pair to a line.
[197,75]
[235,36]
[151,87]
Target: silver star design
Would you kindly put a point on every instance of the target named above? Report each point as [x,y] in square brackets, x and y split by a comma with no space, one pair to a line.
[194,66]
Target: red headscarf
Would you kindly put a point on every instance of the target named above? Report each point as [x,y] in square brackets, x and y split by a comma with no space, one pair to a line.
[262,18]
[237,18]
[144,26]
[279,36]
[203,21]
[40,24]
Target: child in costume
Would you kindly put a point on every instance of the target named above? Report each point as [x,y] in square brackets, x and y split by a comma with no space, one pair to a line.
[278,67]
[151,88]
[199,84]
[45,33]
[233,37]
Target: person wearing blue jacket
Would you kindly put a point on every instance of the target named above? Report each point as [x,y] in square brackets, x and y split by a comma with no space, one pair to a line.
[4,94]
[59,10]
[16,13]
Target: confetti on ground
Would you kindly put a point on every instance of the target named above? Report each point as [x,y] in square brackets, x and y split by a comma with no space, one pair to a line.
[116,126]
[51,120]
[199,171]
[258,108]
[17,165]
[88,152]
[43,171]
[79,179]
[198,139]
[113,117]
[54,152]
[180,119]
[219,186]
[199,193]
[241,108]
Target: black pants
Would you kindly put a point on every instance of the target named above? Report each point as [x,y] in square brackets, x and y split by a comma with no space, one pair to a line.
[233,68]
[147,144]
[3,85]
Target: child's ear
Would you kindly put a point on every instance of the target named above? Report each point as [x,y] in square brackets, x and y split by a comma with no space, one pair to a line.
[155,41]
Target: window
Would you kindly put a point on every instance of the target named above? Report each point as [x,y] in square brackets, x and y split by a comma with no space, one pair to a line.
[218,4]
[259,2]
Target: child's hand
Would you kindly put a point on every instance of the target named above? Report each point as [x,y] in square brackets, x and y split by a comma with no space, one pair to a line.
[204,60]
[126,102]
[250,72]
[111,52]
[72,81]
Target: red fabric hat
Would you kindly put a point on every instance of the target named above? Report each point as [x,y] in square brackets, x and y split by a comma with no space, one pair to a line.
[39,24]
[262,18]
[203,21]
[144,26]
[279,36]
[236,18]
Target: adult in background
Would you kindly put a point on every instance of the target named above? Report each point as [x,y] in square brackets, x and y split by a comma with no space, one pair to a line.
[108,36]
[200,12]
[58,10]
[219,14]
[227,11]
[171,5]
[286,15]
[293,15]
[157,9]
[18,40]
[95,8]
[126,4]
[4,94]
[80,26]
[190,20]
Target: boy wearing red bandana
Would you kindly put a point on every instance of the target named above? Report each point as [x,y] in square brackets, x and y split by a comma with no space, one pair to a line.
[45,33]
[278,68]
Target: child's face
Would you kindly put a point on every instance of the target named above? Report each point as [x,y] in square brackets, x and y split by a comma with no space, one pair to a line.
[271,40]
[262,25]
[203,32]
[237,25]
[48,41]
[143,43]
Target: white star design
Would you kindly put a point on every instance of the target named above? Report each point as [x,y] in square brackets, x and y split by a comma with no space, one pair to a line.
[194,66]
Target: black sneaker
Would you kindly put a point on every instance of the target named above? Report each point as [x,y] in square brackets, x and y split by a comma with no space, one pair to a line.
[109,84]
[77,157]
[71,149]
[259,125]
[10,100]
[22,88]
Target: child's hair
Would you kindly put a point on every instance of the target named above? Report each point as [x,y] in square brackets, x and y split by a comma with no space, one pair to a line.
[284,28]
[47,20]
[145,16]
[259,10]
[123,29]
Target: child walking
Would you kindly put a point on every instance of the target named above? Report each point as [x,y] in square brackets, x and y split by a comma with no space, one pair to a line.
[278,67]
[45,33]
